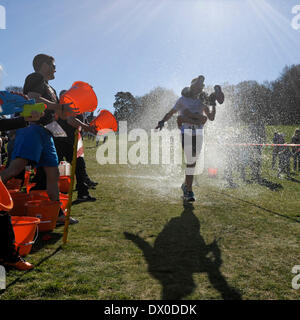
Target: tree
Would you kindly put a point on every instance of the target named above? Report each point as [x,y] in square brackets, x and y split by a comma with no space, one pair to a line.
[126,108]
[154,105]
[253,101]
[144,111]
[288,96]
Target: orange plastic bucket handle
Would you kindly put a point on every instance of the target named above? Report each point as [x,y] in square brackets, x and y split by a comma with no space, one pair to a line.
[31,242]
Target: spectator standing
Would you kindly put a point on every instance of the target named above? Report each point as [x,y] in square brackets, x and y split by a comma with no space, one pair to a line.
[296,150]
[64,147]
[257,135]
[284,164]
[276,140]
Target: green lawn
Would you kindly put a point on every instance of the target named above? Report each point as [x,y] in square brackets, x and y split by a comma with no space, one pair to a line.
[138,240]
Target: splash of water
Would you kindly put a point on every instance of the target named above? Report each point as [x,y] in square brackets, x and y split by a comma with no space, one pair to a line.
[218,150]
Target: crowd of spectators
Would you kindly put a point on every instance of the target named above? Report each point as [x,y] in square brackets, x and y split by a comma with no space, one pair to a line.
[33,142]
[244,150]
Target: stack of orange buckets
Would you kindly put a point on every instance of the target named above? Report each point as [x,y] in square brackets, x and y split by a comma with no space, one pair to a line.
[31,211]
[24,227]
[34,207]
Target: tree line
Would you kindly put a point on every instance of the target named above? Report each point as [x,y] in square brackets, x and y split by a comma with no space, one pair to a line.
[272,102]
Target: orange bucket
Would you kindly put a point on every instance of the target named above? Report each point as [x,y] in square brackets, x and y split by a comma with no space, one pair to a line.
[43,195]
[19,199]
[105,122]
[212,172]
[82,96]
[14,183]
[6,202]
[46,210]
[24,229]
[64,183]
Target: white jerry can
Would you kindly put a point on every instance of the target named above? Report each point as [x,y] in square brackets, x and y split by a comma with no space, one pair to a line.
[64,168]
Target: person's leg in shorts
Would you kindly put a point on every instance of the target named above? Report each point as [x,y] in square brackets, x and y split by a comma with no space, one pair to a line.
[192,146]
[27,148]
[49,161]
[35,144]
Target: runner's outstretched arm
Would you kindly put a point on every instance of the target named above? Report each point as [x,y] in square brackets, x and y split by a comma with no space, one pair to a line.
[165,119]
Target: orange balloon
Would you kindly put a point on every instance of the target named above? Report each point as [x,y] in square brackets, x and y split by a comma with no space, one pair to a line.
[105,122]
[82,96]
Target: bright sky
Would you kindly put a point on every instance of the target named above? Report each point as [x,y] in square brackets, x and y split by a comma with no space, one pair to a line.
[137,45]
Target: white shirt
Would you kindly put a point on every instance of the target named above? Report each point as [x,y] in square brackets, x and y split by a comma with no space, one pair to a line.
[194,106]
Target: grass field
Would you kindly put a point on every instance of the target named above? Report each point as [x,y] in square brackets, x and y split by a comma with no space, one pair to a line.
[138,240]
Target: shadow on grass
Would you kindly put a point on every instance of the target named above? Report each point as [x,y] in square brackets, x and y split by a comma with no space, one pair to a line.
[45,239]
[259,207]
[273,186]
[270,185]
[26,272]
[293,179]
[180,251]
[76,202]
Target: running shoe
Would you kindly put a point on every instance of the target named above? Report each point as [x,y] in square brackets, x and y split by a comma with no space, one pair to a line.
[86,198]
[190,197]
[61,221]
[91,183]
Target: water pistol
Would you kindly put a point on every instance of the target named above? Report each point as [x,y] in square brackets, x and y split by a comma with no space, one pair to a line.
[11,103]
